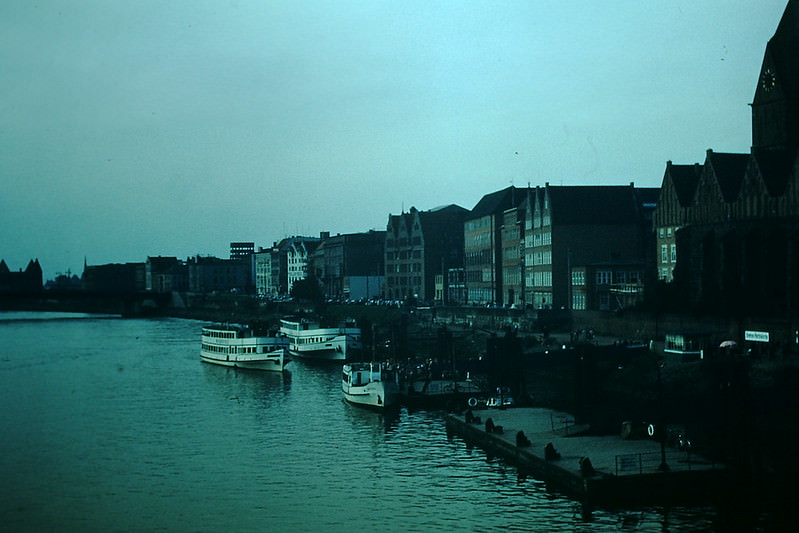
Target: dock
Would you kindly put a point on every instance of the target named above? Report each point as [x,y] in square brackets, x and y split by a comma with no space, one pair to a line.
[621,470]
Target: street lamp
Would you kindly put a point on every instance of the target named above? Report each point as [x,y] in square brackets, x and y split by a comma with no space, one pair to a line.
[663,466]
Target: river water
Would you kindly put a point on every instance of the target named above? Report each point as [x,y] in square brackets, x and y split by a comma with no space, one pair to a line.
[113,424]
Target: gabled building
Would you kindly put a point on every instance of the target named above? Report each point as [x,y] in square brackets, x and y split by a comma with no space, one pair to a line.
[420,245]
[735,241]
[28,280]
[674,207]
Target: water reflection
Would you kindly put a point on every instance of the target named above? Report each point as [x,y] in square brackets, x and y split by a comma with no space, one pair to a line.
[150,438]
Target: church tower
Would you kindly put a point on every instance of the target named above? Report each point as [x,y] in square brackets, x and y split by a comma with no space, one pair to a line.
[775,109]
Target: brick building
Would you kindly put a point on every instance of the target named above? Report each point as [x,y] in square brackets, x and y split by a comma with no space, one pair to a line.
[420,245]
[728,230]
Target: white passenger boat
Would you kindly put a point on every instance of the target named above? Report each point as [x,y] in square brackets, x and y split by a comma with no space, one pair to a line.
[242,347]
[308,340]
[372,385]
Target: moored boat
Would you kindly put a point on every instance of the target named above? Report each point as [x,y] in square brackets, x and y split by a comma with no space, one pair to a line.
[430,392]
[308,340]
[372,385]
[243,347]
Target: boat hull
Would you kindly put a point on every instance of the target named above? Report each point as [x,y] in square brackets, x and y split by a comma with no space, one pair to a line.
[307,340]
[271,363]
[370,386]
[438,392]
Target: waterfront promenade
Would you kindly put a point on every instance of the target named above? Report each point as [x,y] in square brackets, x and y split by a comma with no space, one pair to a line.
[624,470]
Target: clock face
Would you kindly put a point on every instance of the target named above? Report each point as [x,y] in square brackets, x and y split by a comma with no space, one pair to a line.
[768,80]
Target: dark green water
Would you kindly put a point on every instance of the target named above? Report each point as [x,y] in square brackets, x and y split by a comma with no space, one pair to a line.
[115,425]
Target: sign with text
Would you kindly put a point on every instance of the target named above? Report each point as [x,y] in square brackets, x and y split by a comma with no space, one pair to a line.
[756,336]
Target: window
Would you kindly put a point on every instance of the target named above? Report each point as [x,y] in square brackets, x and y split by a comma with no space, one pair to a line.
[578,277]
[578,301]
[603,277]
[664,253]
[673,253]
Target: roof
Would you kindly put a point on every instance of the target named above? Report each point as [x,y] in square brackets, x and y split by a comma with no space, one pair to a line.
[684,179]
[498,202]
[775,168]
[594,204]
[451,208]
[729,170]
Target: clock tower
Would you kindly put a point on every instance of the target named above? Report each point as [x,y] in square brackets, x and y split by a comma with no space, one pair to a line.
[775,109]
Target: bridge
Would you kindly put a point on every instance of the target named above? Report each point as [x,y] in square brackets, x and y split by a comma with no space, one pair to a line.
[80,301]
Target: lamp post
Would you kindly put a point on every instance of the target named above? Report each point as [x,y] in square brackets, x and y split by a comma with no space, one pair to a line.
[663,466]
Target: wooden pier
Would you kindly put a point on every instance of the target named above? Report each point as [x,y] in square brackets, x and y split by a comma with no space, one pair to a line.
[624,471]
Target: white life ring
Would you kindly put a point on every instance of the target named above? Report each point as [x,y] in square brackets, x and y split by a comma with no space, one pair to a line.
[650,430]
[472,402]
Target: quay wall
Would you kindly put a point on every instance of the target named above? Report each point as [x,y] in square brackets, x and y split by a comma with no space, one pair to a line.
[685,482]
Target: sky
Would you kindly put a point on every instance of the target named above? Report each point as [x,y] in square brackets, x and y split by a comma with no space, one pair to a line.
[146,128]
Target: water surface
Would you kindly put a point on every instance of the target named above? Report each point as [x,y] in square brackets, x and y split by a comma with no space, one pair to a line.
[115,425]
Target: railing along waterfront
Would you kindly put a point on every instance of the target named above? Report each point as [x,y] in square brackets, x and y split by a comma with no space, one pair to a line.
[640,463]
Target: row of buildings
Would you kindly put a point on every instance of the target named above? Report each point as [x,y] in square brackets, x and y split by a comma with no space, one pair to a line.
[720,234]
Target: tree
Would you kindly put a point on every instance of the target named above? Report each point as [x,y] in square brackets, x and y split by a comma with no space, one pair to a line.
[307,289]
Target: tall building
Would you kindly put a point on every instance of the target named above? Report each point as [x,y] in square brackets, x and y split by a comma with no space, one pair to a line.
[239,250]
[485,261]
[604,230]
[267,272]
[730,228]
[420,245]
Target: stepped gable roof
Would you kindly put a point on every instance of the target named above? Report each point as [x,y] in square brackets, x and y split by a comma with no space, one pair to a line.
[775,167]
[498,201]
[729,170]
[783,49]
[593,204]
[684,179]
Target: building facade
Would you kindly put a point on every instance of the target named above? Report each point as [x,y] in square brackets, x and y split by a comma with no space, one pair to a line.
[28,280]
[210,274]
[582,231]
[351,266]
[418,246]
[114,278]
[165,274]
[485,259]
[735,221]
[267,273]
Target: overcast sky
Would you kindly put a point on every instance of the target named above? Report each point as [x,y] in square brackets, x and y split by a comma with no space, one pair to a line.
[136,128]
